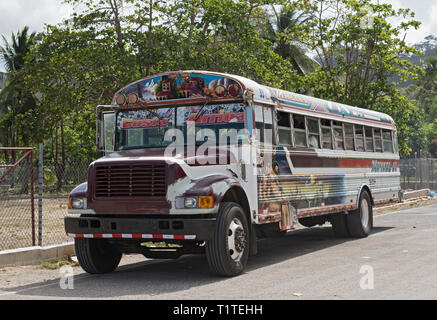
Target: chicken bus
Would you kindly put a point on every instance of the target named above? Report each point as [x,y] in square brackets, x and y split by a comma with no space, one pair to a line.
[205,162]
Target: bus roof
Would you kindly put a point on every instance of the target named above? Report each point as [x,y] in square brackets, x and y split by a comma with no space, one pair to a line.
[196,86]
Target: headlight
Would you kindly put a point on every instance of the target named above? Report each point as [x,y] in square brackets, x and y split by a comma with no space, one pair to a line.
[190,202]
[201,202]
[77,203]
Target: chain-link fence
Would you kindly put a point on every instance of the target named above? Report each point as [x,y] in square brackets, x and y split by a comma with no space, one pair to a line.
[418,173]
[17,212]
[37,218]
[59,179]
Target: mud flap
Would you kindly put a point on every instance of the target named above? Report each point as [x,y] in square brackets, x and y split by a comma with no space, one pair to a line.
[289,218]
[253,245]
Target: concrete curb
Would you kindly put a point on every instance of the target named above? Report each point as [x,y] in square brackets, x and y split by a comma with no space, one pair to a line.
[35,255]
[407,195]
[416,202]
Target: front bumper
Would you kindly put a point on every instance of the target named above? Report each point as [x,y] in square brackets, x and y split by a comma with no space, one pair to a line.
[140,228]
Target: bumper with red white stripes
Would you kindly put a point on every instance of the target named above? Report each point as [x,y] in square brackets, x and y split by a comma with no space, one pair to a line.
[140,228]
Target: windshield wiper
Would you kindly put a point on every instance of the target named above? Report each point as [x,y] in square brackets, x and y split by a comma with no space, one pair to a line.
[201,111]
[155,114]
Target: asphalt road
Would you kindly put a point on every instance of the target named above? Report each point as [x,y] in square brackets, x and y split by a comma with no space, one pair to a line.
[305,264]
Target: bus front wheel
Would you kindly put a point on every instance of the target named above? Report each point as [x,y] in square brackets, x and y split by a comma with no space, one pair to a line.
[228,249]
[96,255]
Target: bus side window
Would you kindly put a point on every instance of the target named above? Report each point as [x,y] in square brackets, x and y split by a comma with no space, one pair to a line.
[395,142]
[359,138]
[338,135]
[369,138]
[300,138]
[259,124]
[268,126]
[313,133]
[326,134]
[349,134]
[378,141]
[387,140]
[284,128]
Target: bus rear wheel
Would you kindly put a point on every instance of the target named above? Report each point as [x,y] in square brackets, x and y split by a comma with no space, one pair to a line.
[96,255]
[227,251]
[360,221]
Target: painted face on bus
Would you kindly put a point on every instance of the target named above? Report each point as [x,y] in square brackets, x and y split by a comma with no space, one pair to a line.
[275,168]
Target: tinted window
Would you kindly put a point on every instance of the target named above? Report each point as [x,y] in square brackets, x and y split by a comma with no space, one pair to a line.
[298,122]
[284,129]
[300,137]
[369,139]
[326,133]
[349,134]
[338,137]
[313,133]
[359,138]
[378,141]
[283,119]
[387,140]
[326,138]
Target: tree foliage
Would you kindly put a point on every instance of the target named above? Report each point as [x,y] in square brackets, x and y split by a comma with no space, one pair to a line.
[82,61]
[359,50]
[17,104]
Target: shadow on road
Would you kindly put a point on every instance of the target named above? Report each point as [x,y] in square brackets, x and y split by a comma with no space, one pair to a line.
[156,277]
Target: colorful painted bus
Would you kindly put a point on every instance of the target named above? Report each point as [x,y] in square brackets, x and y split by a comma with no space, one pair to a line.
[204,162]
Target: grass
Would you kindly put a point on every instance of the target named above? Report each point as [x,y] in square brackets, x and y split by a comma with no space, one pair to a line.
[160,245]
[58,264]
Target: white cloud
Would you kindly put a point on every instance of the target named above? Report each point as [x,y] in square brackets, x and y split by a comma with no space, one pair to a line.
[425,12]
[15,14]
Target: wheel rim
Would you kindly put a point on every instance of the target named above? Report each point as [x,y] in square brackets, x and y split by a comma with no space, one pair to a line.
[364,213]
[236,239]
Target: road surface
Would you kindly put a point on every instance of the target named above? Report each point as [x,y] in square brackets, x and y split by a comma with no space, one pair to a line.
[397,261]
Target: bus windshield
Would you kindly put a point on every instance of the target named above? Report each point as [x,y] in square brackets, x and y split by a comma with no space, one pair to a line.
[137,129]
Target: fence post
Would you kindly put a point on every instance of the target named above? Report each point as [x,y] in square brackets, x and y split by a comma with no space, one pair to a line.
[40,186]
[32,200]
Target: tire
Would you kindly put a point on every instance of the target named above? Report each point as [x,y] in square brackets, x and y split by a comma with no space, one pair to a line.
[227,251]
[360,221]
[96,255]
[339,225]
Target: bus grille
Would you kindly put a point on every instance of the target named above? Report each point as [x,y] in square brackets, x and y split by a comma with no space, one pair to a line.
[131,180]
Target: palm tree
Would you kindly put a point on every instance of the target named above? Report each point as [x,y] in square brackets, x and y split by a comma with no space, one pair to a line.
[276,29]
[14,99]
[13,53]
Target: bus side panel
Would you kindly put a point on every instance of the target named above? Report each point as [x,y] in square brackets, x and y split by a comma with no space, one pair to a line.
[307,183]
[285,190]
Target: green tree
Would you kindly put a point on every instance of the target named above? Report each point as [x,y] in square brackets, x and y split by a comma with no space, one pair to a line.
[275,28]
[359,50]
[424,92]
[16,103]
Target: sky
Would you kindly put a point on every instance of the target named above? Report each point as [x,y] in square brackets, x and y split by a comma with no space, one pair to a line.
[15,14]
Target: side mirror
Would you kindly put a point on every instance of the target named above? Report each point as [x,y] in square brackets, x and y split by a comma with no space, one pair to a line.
[105,129]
